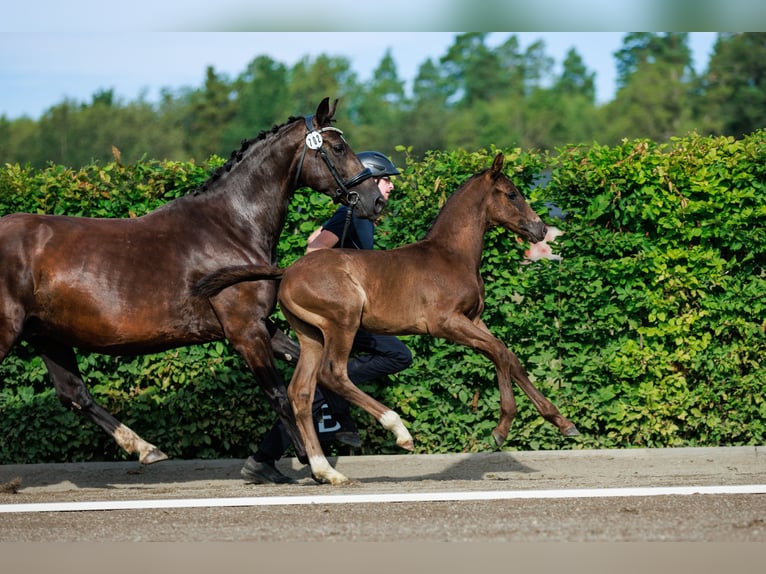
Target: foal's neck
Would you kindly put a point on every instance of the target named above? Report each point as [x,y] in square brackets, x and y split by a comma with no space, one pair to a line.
[461,224]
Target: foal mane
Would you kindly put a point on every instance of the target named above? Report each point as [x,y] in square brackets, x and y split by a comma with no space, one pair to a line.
[237,155]
[445,208]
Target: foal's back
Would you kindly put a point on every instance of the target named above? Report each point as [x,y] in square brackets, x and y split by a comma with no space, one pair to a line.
[398,291]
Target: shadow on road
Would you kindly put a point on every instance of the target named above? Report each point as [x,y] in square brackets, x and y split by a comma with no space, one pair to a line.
[364,469]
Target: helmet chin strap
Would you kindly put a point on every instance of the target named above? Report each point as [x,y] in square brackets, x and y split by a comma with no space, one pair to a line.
[315,141]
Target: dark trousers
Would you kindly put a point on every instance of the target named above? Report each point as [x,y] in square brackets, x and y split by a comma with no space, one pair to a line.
[376,356]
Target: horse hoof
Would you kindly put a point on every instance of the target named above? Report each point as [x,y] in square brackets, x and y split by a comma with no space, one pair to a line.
[407,445]
[499,437]
[570,431]
[154,455]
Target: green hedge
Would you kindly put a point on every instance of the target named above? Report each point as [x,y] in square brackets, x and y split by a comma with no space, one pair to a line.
[650,332]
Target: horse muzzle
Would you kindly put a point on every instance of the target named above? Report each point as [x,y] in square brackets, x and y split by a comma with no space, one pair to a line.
[367,206]
[535,231]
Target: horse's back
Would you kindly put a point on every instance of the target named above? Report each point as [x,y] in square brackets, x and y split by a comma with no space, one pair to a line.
[100,283]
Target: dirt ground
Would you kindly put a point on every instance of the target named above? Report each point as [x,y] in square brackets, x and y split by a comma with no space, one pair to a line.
[729,518]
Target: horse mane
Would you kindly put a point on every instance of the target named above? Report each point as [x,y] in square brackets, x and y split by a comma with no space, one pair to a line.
[237,155]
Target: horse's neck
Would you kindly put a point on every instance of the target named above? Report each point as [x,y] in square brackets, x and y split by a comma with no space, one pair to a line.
[251,198]
[460,227]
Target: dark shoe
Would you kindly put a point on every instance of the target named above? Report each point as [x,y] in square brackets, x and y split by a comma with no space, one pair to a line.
[349,438]
[263,473]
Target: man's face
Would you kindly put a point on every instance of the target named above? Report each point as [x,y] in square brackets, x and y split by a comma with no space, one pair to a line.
[385,186]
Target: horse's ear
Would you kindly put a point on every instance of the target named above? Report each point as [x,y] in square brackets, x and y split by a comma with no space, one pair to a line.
[325,112]
[497,165]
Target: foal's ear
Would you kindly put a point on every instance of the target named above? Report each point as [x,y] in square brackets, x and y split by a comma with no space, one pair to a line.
[497,165]
[325,112]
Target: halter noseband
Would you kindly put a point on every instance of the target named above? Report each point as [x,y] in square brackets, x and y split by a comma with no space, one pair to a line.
[314,140]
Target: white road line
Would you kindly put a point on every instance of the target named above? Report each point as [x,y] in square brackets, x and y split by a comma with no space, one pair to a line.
[376,498]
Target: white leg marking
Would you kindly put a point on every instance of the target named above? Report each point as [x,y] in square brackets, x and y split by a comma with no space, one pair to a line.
[393,422]
[322,470]
[132,443]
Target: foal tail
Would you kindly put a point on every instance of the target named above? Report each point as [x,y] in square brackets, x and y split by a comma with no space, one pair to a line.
[212,284]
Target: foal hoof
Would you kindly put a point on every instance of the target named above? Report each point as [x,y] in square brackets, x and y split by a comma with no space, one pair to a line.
[499,437]
[570,431]
[407,445]
[154,455]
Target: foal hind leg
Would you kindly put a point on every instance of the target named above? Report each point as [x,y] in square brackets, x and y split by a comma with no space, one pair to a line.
[72,392]
[333,374]
[301,392]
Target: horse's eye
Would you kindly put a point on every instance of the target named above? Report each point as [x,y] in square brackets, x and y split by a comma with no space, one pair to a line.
[338,147]
[511,195]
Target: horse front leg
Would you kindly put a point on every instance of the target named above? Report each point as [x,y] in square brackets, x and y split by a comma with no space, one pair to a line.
[61,363]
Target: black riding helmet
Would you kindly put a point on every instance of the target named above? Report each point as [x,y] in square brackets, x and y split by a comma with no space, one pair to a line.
[378,164]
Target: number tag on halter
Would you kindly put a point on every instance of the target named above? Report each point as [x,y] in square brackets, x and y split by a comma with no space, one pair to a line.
[314,140]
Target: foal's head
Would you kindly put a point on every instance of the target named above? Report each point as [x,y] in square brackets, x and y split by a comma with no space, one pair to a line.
[506,207]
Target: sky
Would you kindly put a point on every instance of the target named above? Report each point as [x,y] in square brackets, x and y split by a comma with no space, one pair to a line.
[39,69]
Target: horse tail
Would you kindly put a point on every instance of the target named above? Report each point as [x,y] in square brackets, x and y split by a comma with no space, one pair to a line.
[212,284]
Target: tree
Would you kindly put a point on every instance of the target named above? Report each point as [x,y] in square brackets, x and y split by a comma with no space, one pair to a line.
[325,76]
[377,109]
[656,77]
[424,123]
[473,70]
[733,90]
[647,48]
[19,141]
[260,102]
[209,112]
[538,67]
[575,80]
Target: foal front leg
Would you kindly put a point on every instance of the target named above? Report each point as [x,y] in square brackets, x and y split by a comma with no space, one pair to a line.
[546,408]
[475,334]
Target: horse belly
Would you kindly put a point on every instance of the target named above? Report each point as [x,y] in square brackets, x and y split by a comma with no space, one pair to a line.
[110,321]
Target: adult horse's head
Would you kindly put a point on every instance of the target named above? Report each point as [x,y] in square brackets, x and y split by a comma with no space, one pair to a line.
[507,207]
[329,165]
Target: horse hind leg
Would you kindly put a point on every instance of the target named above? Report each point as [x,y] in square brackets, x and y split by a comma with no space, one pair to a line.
[71,391]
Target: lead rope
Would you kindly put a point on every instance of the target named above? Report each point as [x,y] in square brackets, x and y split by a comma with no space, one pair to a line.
[349,214]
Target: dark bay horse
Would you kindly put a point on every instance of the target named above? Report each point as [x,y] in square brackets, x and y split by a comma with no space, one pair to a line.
[429,287]
[80,282]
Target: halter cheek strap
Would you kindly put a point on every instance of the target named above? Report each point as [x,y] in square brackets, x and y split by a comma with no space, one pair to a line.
[315,141]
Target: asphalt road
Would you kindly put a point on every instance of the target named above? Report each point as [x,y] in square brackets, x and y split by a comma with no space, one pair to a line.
[507,497]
